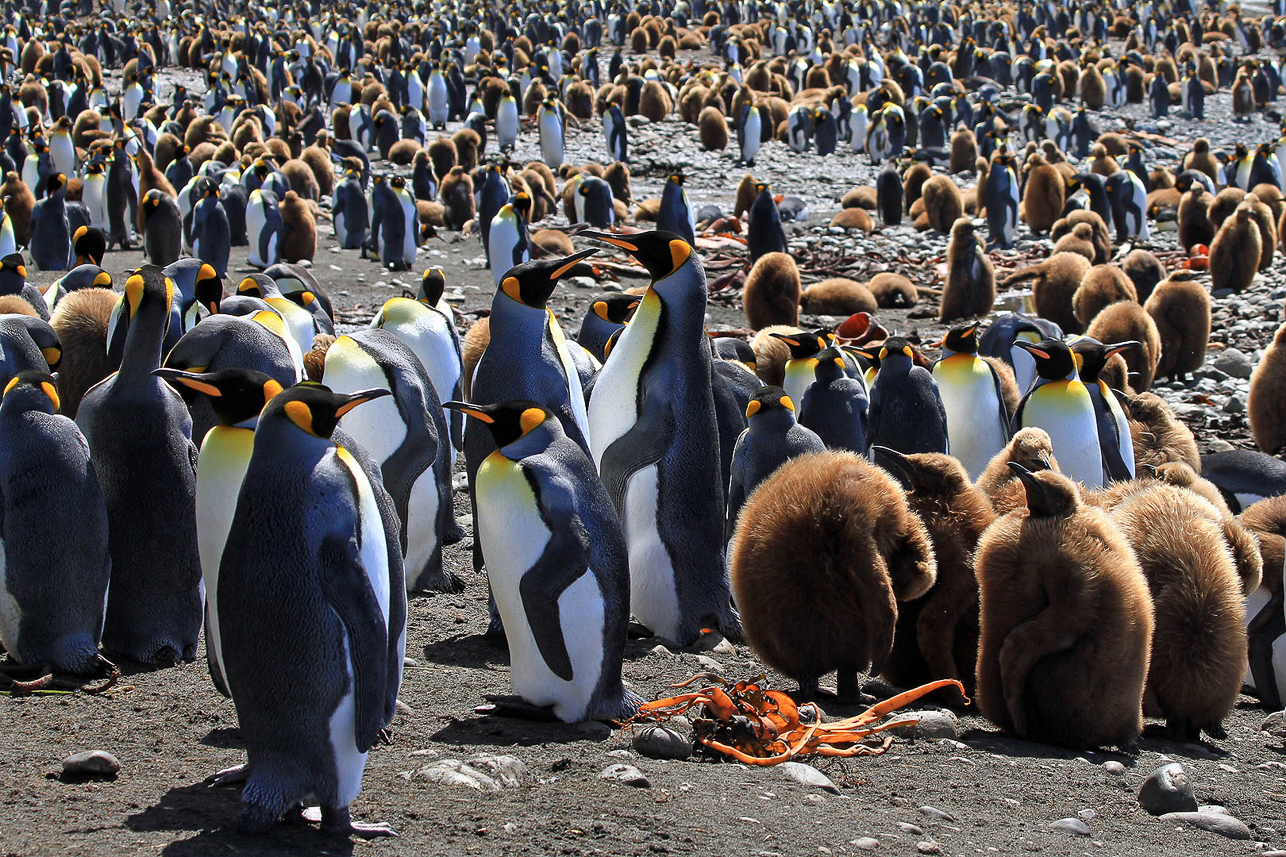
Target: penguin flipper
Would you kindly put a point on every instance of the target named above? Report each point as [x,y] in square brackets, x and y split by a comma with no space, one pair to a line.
[1267,626]
[561,563]
[644,444]
[348,592]
[1000,397]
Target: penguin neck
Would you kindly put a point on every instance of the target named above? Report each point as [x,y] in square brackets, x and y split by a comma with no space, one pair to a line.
[681,304]
[771,422]
[143,341]
[513,318]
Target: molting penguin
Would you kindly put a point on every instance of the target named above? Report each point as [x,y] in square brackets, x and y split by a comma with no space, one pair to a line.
[139,435]
[977,419]
[906,412]
[54,563]
[654,436]
[1059,403]
[556,561]
[311,567]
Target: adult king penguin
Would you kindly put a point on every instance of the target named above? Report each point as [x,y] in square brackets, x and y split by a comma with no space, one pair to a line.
[508,244]
[1059,403]
[139,433]
[906,412]
[1114,438]
[654,436]
[312,574]
[977,419]
[556,560]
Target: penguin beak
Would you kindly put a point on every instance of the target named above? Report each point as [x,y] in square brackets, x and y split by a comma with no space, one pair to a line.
[900,467]
[469,411]
[572,261]
[610,239]
[1037,494]
[187,379]
[1118,347]
[1030,348]
[352,400]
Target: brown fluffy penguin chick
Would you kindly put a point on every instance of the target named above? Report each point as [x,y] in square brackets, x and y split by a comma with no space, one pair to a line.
[937,633]
[1158,435]
[1124,321]
[942,203]
[837,296]
[1224,204]
[81,320]
[298,229]
[970,289]
[1008,383]
[1199,637]
[1080,241]
[823,551]
[858,197]
[913,182]
[1065,622]
[893,291]
[1263,217]
[1101,286]
[1266,403]
[1144,270]
[771,295]
[1180,306]
[1195,226]
[1033,449]
[1201,160]
[747,190]
[1101,162]
[19,202]
[712,129]
[475,342]
[1042,203]
[771,353]
[1235,252]
[964,151]
[1101,239]
[853,218]
[1053,283]
[1267,519]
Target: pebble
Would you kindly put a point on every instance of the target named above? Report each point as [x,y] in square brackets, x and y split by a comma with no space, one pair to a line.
[1114,768]
[865,843]
[1275,724]
[1234,362]
[807,775]
[453,772]
[1071,825]
[936,725]
[506,770]
[1214,822]
[410,662]
[627,775]
[928,847]
[1234,405]
[661,652]
[709,664]
[660,742]
[92,763]
[910,829]
[937,814]
[1167,790]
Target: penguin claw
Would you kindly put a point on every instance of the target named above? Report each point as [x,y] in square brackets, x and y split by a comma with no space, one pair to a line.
[338,822]
[235,775]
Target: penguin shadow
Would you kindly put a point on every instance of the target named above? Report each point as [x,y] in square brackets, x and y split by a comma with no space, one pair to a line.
[213,813]
[492,730]
[477,651]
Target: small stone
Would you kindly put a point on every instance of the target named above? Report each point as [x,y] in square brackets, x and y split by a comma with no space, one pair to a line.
[1086,815]
[807,775]
[661,652]
[1071,825]
[1167,790]
[410,662]
[1234,405]
[626,775]
[709,664]
[928,847]
[92,763]
[453,772]
[936,725]
[937,814]
[660,742]
[865,843]
[1214,822]
[1234,362]
[506,770]
[583,282]
[1275,724]
[910,829]
[1114,768]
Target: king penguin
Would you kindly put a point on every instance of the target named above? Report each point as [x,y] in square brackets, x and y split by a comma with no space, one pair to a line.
[139,434]
[54,563]
[508,244]
[835,405]
[749,134]
[311,572]
[604,316]
[616,134]
[1114,438]
[906,412]
[977,419]
[1000,195]
[676,214]
[549,122]
[50,245]
[1059,403]
[237,396]
[557,563]
[263,228]
[654,437]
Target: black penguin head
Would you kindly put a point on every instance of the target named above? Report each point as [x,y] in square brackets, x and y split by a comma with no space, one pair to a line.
[236,395]
[89,245]
[55,183]
[611,342]
[1054,360]
[1049,494]
[929,473]
[1091,355]
[255,286]
[615,309]
[148,289]
[896,347]
[432,285]
[828,364]
[522,206]
[531,283]
[507,421]
[769,400]
[660,252]
[13,274]
[314,408]
[32,390]
[962,339]
[804,344]
[208,288]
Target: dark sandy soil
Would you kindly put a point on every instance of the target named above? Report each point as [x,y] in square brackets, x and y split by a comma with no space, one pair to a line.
[170,729]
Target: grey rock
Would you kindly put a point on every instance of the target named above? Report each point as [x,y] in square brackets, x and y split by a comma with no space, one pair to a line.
[660,742]
[1071,825]
[1114,767]
[626,775]
[92,763]
[453,772]
[1167,790]
[506,770]
[1234,362]
[410,662]
[865,843]
[927,847]
[1275,724]
[1214,822]
[661,652]
[1234,405]
[937,814]
[936,725]
[910,829]
[807,775]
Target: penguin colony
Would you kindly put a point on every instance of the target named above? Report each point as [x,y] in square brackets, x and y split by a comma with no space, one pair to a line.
[1016,512]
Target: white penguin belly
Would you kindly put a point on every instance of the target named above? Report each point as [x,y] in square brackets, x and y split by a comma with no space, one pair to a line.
[614,408]
[1072,430]
[349,762]
[380,430]
[798,377]
[575,393]
[974,427]
[421,522]
[10,611]
[513,538]
[501,242]
[411,218]
[225,455]
[427,335]
[654,601]
[1255,602]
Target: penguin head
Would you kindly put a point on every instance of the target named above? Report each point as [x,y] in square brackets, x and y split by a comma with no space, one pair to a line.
[1092,355]
[804,344]
[55,183]
[257,286]
[13,274]
[1054,359]
[89,244]
[314,408]
[660,252]
[930,473]
[432,285]
[616,308]
[522,206]
[31,390]
[508,422]
[208,289]
[237,396]
[612,339]
[531,283]
[894,349]
[148,290]
[962,339]
[828,364]
[1049,494]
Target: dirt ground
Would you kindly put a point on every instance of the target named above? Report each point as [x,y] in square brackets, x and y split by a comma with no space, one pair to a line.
[986,793]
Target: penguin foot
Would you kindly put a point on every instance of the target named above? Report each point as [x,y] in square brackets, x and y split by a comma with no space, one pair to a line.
[517,708]
[43,678]
[1215,730]
[338,822]
[233,776]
